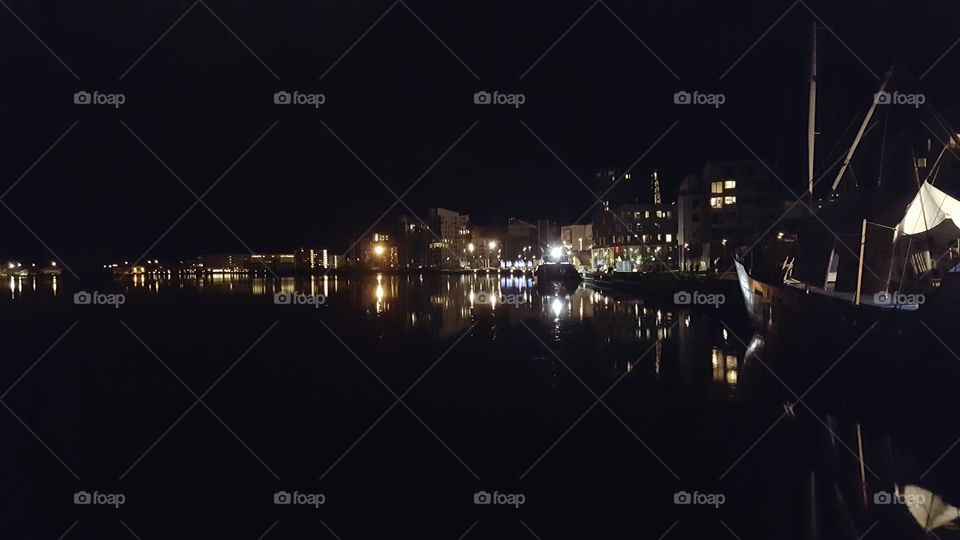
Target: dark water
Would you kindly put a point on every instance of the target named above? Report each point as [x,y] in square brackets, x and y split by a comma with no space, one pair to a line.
[400,397]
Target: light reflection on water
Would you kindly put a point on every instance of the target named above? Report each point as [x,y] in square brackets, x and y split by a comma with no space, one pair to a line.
[447,305]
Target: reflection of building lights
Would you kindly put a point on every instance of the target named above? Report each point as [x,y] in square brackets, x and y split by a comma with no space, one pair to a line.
[557,306]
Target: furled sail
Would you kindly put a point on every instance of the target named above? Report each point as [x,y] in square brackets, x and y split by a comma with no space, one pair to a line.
[928,209]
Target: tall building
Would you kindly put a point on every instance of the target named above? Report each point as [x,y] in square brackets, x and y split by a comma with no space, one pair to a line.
[412,240]
[449,236]
[727,205]
[379,252]
[635,237]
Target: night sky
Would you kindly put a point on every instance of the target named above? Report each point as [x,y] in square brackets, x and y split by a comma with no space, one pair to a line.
[400,99]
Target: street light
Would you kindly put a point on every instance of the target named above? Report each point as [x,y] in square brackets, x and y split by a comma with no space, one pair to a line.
[379,250]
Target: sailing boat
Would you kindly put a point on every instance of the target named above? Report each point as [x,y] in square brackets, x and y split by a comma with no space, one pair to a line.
[876,250]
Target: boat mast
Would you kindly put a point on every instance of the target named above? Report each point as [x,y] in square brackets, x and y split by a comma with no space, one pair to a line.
[863,128]
[812,111]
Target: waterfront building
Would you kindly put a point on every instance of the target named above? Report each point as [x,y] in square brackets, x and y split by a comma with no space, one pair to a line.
[635,237]
[727,205]
[579,240]
[449,238]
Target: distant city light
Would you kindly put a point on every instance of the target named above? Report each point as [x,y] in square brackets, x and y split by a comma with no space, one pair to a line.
[492,245]
[378,250]
[556,252]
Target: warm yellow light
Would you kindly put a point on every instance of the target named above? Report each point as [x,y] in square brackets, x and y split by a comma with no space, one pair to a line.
[492,245]
[378,250]
[471,247]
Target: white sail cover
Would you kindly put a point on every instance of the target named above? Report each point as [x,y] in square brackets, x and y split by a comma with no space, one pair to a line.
[929,208]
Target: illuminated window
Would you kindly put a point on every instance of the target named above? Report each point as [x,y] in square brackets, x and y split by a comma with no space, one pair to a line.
[646,213]
[669,238]
[921,163]
[627,176]
[729,200]
[730,184]
[659,213]
[716,202]
[716,187]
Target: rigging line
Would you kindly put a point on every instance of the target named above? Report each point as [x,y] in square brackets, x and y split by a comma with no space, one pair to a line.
[883,149]
[836,145]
